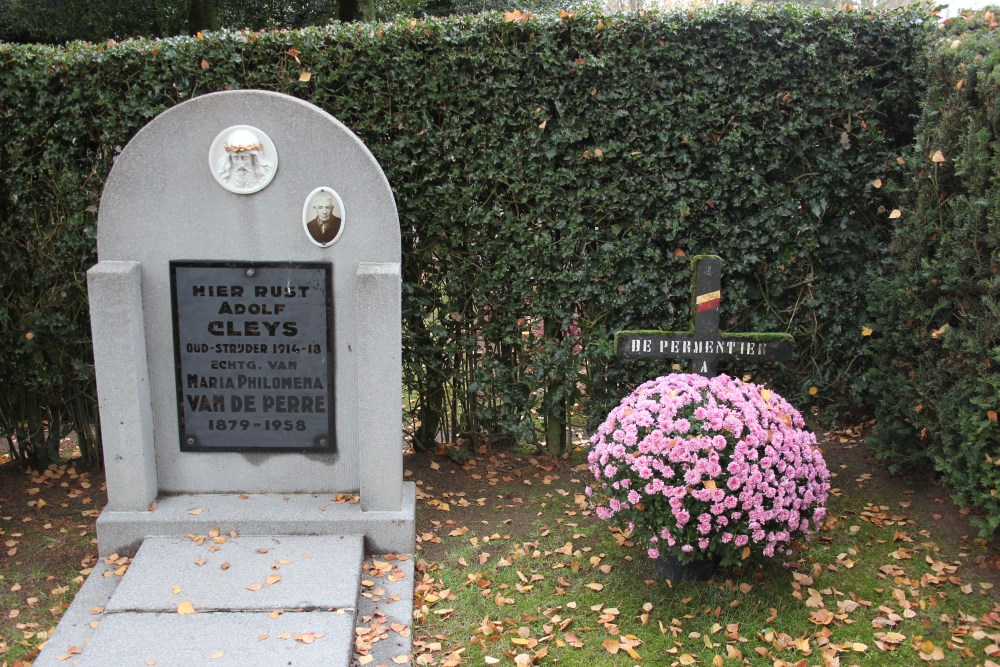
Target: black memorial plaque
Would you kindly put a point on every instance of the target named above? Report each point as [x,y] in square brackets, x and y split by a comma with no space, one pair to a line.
[252,350]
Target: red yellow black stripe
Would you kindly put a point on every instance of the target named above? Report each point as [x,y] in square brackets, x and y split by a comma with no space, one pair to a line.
[708,301]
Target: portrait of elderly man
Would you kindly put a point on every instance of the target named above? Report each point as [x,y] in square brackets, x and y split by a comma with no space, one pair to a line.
[324,225]
[243,169]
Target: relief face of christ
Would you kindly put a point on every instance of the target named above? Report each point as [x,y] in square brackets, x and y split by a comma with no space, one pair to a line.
[243,159]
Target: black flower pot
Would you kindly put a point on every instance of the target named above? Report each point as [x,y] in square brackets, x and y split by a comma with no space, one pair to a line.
[698,570]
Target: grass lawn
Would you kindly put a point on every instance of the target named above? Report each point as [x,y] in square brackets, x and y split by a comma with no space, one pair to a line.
[515,570]
[518,572]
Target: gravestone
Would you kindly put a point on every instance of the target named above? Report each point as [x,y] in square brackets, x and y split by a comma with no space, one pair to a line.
[703,344]
[246,324]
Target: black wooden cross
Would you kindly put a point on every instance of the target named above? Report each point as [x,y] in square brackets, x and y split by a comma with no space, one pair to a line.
[703,344]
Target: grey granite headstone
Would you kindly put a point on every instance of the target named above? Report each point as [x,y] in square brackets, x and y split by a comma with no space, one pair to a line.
[246,325]
[162,203]
[173,381]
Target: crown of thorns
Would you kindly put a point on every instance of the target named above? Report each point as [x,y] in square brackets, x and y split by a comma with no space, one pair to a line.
[241,148]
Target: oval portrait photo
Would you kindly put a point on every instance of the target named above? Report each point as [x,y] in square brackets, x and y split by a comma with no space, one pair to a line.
[323,216]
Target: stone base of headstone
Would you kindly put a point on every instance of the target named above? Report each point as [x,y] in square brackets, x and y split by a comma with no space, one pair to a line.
[210,598]
[122,532]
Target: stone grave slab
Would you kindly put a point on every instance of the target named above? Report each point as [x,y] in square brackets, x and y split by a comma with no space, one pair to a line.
[234,639]
[257,573]
[381,625]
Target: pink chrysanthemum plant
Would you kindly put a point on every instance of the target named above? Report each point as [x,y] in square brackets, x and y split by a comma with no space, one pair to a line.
[706,469]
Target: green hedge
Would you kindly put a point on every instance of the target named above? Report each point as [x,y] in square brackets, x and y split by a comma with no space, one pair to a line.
[936,332]
[552,176]
[59,21]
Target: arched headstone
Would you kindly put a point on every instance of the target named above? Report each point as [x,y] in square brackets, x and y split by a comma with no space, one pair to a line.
[246,324]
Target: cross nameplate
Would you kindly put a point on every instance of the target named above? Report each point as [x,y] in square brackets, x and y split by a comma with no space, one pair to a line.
[703,344]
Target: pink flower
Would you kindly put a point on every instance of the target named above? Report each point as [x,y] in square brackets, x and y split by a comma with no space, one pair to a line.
[643,419]
[684,446]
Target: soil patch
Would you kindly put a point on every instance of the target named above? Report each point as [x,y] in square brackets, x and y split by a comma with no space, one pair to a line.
[47,518]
